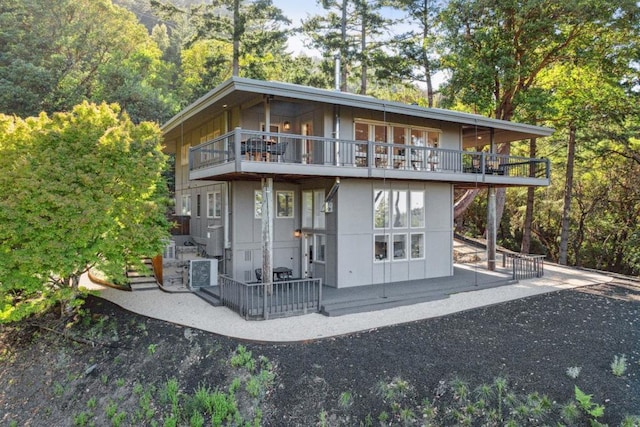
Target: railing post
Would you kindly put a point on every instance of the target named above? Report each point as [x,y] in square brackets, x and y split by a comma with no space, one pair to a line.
[237,141]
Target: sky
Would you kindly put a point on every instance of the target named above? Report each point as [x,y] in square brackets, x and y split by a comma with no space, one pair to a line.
[297,10]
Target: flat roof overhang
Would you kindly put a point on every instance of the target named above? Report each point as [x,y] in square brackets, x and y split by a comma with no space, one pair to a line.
[237,90]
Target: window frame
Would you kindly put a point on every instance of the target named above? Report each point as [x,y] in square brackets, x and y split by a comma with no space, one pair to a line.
[422,248]
[185,205]
[288,206]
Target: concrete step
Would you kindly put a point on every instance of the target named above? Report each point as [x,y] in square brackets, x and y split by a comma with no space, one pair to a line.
[143,286]
[378,303]
[210,295]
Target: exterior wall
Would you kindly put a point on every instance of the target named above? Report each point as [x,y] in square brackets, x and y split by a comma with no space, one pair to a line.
[246,234]
[349,228]
[354,248]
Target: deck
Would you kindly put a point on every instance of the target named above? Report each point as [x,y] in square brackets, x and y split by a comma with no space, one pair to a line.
[243,154]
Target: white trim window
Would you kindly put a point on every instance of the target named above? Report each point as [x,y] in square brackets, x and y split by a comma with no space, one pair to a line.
[399,247]
[313,215]
[284,204]
[417,245]
[217,204]
[381,208]
[320,244]
[198,205]
[185,208]
[400,209]
[417,209]
[380,247]
[318,212]
[257,204]
[214,204]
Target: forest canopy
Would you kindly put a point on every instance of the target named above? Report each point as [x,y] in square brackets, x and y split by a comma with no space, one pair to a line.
[573,66]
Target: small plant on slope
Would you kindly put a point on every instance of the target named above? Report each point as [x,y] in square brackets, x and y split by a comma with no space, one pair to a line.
[619,365]
[587,405]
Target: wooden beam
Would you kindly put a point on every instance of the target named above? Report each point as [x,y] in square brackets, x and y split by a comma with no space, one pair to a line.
[267,235]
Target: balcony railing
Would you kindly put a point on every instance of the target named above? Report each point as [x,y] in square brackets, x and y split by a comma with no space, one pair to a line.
[251,146]
[255,301]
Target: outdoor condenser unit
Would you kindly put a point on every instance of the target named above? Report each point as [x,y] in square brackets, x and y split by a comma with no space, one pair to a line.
[203,273]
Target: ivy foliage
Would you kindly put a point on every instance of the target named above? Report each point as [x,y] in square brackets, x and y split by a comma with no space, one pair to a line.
[77,190]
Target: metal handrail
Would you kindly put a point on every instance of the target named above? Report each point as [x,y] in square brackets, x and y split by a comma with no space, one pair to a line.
[242,145]
[255,301]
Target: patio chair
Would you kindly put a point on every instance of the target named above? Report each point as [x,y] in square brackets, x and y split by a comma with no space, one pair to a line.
[259,274]
[277,149]
[256,147]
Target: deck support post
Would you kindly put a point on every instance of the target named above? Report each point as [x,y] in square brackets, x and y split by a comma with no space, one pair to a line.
[491,215]
[267,240]
[491,228]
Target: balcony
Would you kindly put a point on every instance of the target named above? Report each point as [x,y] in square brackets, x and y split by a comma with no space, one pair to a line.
[243,154]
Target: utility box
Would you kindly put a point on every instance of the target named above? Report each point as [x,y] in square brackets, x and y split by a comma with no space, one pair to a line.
[203,273]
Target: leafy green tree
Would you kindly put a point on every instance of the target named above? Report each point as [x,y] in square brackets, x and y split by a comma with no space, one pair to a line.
[418,46]
[495,51]
[78,190]
[55,54]
[356,32]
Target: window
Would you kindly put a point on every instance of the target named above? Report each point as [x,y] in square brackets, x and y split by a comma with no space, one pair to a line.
[217,204]
[321,242]
[198,205]
[417,245]
[307,209]
[312,209]
[380,208]
[284,204]
[400,209]
[257,204]
[406,210]
[214,204]
[399,246]
[380,247]
[318,213]
[417,209]
[361,131]
[186,204]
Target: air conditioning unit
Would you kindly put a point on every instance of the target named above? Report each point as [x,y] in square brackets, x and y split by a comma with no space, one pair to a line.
[203,273]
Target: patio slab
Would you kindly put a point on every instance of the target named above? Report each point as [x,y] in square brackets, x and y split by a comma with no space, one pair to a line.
[189,310]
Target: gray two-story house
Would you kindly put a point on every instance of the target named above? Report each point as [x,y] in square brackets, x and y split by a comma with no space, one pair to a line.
[361,190]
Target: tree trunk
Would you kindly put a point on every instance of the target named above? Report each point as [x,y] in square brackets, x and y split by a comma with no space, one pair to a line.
[568,187]
[237,30]
[363,52]
[460,206]
[425,58]
[343,48]
[525,246]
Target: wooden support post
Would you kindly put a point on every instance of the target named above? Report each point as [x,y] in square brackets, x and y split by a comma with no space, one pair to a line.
[491,229]
[491,214]
[267,235]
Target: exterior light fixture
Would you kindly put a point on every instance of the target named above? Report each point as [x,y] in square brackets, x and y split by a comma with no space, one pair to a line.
[297,233]
[286,125]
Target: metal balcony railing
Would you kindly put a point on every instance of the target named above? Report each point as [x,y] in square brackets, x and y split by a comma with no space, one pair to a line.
[252,146]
